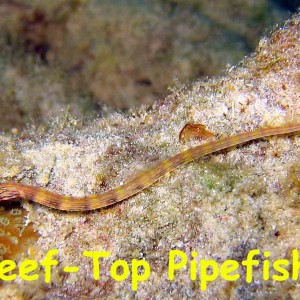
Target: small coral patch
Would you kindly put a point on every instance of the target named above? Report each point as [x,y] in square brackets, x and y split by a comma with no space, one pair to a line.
[15,234]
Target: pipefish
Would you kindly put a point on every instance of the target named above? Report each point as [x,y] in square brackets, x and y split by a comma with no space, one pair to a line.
[11,191]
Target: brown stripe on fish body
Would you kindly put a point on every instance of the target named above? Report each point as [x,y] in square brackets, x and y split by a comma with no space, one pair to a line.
[28,192]
[43,197]
[160,171]
[146,179]
[38,196]
[50,201]
[111,199]
[77,204]
[54,201]
[105,199]
[206,148]
[135,186]
[83,204]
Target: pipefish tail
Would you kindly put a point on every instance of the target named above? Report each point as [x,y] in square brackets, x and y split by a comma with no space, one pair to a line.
[11,191]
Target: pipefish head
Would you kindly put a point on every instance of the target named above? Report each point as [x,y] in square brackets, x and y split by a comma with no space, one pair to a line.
[9,192]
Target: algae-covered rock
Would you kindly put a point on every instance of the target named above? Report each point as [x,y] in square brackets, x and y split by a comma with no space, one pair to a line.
[122,53]
[218,208]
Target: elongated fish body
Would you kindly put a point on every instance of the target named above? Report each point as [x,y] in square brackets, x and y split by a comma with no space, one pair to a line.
[11,191]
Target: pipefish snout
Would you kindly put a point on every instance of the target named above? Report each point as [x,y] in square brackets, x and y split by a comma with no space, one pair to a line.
[11,191]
